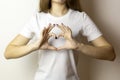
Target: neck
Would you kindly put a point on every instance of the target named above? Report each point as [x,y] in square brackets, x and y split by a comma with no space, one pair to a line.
[58,9]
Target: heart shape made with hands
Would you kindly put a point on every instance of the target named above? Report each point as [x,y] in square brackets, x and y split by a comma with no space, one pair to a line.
[64,38]
[59,40]
[56,39]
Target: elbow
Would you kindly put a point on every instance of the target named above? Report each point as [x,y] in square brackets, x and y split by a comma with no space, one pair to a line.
[112,55]
[112,59]
[109,55]
[7,55]
[10,56]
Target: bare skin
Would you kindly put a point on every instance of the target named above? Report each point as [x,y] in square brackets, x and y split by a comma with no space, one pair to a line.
[101,49]
[18,47]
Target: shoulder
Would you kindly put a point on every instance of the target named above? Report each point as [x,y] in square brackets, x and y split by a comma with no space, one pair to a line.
[41,14]
[35,17]
[76,13]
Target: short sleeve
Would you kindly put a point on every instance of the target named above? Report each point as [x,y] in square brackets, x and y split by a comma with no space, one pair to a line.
[89,28]
[28,28]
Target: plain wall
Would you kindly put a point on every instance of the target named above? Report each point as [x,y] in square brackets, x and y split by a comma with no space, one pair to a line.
[106,15]
[14,14]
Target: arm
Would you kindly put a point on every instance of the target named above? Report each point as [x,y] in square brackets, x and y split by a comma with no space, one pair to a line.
[100,49]
[18,47]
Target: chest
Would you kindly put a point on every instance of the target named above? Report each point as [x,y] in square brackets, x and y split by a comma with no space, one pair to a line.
[74,25]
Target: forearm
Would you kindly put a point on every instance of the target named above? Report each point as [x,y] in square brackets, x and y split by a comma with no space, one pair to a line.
[13,51]
[103,52]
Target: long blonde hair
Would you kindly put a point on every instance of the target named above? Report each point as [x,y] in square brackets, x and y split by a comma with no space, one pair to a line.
[45,5]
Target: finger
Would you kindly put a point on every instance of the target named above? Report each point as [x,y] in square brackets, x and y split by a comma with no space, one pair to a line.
[44,34]
[61,35]
[52,47]
[51,34]
[50,27]
[65,28]
[61,48]
[44,30]
[47,28]
[69,29]
[46,46]
[61,27]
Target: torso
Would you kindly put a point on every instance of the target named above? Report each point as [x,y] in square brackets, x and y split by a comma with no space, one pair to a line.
[57,65]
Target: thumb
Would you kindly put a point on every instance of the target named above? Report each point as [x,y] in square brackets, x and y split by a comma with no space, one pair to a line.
[61,47]
[52,35]
[52,47]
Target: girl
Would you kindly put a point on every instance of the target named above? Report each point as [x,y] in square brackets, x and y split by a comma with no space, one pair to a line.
[55,27]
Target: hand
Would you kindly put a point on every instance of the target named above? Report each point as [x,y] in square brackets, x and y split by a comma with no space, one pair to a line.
[44,36]
[67,34]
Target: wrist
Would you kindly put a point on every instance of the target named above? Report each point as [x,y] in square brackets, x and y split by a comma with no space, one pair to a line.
[79,46]
[76,44]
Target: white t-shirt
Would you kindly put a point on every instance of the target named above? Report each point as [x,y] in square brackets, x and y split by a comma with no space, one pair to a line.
[59,65]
